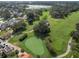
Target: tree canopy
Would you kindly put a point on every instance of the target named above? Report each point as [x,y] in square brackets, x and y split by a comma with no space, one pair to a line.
[42,29]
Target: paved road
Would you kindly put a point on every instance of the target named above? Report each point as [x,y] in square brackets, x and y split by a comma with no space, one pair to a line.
[67,51]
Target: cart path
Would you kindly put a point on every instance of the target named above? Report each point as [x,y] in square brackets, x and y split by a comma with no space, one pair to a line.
[67,51]
[30,31]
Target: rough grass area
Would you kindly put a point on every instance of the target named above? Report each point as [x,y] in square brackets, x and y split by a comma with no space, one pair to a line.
[60,31]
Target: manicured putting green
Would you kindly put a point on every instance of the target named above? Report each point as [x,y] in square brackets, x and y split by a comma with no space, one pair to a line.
[35,45]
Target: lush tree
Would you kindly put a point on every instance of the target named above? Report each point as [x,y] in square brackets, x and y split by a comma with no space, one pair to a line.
[16,51]
[42,29]
[19,28]
[75,42]
[5,14]
[75,35]
[18,25]
[49,47]
[24,36]
[4,55]
[30,17]
[38,56]
[77,26]
[75,49]
[22,50]
[33,15]
[39,12]
[61,10]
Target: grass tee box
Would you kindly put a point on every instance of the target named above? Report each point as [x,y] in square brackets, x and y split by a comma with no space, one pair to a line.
[35,45]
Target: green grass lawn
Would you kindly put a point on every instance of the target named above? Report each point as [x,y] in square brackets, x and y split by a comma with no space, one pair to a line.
[35,45]
[60,31]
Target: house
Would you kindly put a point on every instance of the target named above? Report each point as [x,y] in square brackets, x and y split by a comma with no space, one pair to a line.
[24,55]
[3,26]
[8,49]
[13,22]
[4,47]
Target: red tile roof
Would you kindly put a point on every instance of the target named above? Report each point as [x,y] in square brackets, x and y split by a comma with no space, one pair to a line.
[24,55]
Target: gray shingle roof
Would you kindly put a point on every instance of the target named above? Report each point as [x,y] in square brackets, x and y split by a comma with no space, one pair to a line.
[11,22]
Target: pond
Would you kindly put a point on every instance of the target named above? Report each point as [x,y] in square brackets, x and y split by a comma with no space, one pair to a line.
[38,6]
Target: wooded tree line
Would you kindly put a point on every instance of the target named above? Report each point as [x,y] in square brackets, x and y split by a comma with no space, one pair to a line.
[33,15]
[62,10]
[75,42]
